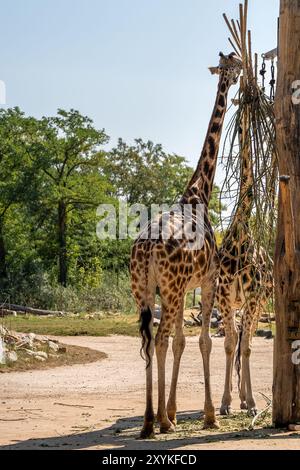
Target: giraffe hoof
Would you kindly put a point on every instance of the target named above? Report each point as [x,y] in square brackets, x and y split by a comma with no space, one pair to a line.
[243,405]
[173,419]
[167,428]
[147,433]
[225,410]
[252,412]
[211,424]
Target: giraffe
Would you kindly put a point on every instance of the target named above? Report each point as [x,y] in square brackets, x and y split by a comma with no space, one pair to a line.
[170,266]
[245,282]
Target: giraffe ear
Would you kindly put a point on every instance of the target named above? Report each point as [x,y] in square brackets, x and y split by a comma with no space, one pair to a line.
[214,70]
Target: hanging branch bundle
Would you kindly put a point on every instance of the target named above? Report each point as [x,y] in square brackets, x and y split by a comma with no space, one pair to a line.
[251,134]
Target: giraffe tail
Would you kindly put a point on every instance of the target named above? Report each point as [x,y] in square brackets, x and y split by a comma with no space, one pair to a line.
[145,331]
[238,356]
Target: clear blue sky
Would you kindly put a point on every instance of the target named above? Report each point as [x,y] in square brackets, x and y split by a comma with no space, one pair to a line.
[137,67]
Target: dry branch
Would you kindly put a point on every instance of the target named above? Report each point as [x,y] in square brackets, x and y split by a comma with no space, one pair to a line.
[7,307]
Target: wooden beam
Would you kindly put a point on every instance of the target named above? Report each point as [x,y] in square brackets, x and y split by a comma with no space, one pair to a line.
[286,379]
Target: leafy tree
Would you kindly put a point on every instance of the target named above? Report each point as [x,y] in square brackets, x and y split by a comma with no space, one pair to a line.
[69,150]
[18,182]
[144,173]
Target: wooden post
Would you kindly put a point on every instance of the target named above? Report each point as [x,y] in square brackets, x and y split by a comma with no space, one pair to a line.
[286,381]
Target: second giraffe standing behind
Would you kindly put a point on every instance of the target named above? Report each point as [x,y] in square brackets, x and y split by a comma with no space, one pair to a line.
[173,268]
[245,281]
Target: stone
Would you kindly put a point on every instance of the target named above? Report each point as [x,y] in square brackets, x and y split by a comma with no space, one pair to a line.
[269,334]
[157,312]
[2,352]
[216,314]
[41,354]
[53,346]
[214,323]
[11,356]
[39,358]
[294,427]
[264,320]
[189,323]
[264,334]
[3,330]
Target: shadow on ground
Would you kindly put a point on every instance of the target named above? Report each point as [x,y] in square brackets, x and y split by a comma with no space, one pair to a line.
[124,435]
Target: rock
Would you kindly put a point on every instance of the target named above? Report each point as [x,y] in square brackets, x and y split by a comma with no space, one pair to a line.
[216,314]
[294,427]
[29,352]
[269,334]
[214,323]
[264,320]
[157,312]
[41,354]
[39,358]
[2,351]
[11,356]
[37,354]
[189,323]
[53,356]
[53,346]
[3,330]
[264,334]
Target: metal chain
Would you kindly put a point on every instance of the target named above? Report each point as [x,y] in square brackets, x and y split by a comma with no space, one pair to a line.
[272,82]
[263,73]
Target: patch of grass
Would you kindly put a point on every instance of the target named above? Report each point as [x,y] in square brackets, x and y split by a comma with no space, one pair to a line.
[73,355]
[74,326]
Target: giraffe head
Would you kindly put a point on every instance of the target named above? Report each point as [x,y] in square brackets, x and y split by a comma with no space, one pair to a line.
[230,66]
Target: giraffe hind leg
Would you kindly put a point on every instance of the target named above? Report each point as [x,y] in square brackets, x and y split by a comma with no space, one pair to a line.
[147,431]
[205,343]
[230,342]
[161,346]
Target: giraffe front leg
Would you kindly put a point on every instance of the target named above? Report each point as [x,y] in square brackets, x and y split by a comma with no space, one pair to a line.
[178,348]
[246,375]
[205,343]
[230,346]
[161,346]
[246,395]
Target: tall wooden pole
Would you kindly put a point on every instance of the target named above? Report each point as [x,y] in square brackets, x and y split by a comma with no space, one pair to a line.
[286,385]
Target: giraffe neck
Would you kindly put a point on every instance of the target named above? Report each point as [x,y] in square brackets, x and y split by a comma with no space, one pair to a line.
[245,200]
[202,180]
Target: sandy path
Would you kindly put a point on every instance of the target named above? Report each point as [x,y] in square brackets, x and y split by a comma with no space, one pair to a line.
[111,397]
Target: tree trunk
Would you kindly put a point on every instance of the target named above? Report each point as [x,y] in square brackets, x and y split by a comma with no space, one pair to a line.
[3,266]
[286,380]
[62,241]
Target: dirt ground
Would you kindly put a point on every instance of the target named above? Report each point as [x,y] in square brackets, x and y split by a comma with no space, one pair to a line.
[107,399]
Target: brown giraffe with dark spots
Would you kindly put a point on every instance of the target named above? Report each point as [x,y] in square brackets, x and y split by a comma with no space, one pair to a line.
[245,284]
[172,267]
